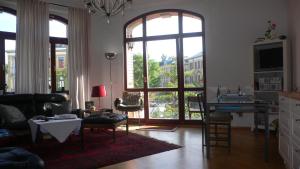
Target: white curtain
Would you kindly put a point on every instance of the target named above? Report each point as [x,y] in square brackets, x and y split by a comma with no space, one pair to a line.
[78,55]
[32,49]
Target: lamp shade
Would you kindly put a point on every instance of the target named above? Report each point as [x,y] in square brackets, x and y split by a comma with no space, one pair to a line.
[102,91]
[99,91]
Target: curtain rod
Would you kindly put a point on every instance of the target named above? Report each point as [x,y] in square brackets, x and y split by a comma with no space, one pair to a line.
[59,5]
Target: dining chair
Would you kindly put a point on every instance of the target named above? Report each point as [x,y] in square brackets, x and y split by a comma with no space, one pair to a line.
[214,122]
[193,106]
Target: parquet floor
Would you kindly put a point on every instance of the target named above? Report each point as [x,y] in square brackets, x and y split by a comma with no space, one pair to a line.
[246,152]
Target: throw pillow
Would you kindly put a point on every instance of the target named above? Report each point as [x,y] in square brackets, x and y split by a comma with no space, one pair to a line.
[62,108]
[11,114]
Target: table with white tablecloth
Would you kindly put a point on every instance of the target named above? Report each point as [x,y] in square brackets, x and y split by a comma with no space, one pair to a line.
[59,129]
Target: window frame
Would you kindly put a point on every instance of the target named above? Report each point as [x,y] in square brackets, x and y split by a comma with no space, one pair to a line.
[3,37]
[53,41]
[180,63]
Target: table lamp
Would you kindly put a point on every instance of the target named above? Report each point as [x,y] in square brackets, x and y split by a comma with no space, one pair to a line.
[99,91]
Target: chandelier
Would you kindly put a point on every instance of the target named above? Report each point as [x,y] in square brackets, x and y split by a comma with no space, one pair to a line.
[107,7]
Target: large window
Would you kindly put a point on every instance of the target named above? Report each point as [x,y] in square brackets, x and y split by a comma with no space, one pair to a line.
[7,49]
[58,58]
[165,61]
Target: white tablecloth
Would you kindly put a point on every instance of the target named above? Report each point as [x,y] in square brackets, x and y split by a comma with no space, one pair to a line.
[60,129]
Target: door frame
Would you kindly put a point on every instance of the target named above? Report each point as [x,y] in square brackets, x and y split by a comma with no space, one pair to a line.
[180,72]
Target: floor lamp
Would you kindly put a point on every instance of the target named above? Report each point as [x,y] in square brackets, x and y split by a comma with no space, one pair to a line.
[110,56]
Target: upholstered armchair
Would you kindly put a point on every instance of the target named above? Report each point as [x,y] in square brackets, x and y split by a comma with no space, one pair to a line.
[130,102]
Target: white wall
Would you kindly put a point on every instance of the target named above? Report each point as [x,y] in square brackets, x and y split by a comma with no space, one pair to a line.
[231,27]
[294,34]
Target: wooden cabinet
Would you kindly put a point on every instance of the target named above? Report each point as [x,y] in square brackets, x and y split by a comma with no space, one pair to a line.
[289,129]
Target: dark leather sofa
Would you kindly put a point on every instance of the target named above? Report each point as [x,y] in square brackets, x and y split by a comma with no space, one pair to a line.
[30,105]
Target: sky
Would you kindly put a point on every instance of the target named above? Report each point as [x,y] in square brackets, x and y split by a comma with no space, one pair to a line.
[8,24]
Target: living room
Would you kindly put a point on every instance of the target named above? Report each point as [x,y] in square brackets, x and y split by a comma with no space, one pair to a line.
[167,52]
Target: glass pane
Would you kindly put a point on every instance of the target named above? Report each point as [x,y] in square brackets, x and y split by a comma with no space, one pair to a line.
[57,29]
[10,70]
[8,22]
[191,106]
[164,23]
[61,60]
[193,62]
[163,105]
[135,68]
[135,29]
[162,64]
[191,23]
[137,114]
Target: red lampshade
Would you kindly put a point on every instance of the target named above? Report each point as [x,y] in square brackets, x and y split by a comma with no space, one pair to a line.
[99,91]
[102,90]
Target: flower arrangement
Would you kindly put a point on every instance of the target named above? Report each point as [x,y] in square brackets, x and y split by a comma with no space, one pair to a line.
[270,32]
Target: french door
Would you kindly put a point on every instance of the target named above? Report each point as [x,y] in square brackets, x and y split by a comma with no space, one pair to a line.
[164,60]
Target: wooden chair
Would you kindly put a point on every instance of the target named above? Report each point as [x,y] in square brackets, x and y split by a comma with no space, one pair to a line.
[215,121]
[193,106]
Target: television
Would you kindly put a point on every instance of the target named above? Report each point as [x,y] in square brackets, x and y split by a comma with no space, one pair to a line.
[268,57]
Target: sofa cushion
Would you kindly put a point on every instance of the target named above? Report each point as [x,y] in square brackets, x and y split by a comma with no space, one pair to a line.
[62,108]
[11,115]
[24,102]
[41,101]
[18,158]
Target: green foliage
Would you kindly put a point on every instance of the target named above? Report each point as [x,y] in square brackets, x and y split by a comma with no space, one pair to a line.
[153,72]
[164,104]
[138,71]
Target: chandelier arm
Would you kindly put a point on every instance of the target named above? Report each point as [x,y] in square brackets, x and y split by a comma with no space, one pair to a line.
[115,6]
[97,7]
[121,7]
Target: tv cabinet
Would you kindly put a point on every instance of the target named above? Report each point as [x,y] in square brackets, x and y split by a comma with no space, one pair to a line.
[272,73]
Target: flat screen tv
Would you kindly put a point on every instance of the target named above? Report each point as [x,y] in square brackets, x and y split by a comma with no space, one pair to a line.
[269,59]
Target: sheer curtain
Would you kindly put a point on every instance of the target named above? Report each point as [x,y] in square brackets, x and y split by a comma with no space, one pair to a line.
[32,49]
[78,55]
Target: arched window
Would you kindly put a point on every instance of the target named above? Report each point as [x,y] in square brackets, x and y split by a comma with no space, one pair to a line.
[58,59]
[8,25]
[164,59]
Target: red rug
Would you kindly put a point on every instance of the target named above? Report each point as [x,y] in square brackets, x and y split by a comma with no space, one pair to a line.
[99,150]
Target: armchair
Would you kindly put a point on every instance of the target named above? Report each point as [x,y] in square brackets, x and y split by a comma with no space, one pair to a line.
[130,102]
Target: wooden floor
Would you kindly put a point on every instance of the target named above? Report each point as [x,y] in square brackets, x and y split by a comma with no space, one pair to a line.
[246,152]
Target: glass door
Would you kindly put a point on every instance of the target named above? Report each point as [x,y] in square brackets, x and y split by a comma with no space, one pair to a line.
[162,79]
